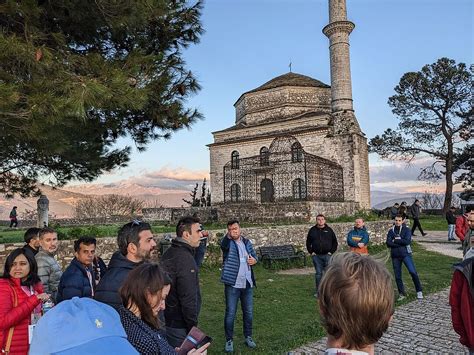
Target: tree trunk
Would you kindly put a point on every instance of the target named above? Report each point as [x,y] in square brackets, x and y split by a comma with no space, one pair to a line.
[448,196]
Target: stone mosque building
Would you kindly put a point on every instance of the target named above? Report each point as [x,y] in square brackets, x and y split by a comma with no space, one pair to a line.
[296,142]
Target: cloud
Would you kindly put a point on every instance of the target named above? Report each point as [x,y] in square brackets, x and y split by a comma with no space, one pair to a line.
[398,171]
[180,174]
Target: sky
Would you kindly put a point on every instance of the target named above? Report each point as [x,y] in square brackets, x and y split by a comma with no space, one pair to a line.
[249,42]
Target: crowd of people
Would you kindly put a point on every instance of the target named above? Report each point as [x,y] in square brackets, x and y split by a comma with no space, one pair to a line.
[155,307]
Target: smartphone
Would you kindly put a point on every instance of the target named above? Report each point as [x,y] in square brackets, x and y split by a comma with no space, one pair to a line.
[204,341]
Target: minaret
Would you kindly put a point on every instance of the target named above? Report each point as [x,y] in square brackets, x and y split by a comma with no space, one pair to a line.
[338,32]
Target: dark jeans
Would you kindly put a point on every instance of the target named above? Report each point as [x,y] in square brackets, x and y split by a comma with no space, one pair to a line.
[13,223]
[320,263]
[232,296]
[416,223]
[397,270]
[175,336]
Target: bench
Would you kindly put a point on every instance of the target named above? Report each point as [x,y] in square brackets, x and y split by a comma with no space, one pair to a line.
[280,252]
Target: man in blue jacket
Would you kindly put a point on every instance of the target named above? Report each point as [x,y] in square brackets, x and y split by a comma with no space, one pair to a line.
[238,278]
[399,240]
[358,237]
[79,279]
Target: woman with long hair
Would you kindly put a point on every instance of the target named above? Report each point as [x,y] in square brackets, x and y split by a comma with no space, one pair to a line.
[143,295]
[21,294]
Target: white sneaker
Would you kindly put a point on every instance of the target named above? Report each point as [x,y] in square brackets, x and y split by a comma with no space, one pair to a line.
[419,295]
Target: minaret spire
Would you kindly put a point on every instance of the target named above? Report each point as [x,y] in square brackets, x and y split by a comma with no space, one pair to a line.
[338,31]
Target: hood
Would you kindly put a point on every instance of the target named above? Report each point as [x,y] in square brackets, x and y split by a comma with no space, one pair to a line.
[120,261]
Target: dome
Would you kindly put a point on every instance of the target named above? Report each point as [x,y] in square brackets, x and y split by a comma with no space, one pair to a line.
[291,79]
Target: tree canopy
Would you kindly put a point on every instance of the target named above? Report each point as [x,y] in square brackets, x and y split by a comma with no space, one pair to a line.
[435,110]
[77,75]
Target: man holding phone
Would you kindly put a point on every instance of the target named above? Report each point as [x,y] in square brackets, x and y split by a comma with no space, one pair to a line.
[238,278]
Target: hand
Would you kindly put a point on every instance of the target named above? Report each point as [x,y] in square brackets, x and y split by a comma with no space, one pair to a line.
[201,350]
[251,260]
[43,297]
[360,245]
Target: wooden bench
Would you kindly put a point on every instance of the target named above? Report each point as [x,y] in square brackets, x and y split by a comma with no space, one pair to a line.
[280,252]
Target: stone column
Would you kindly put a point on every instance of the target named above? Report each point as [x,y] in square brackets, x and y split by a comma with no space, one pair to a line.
[338,32]
[43,209]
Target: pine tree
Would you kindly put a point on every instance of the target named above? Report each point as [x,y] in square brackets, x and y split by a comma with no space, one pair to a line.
[77,75]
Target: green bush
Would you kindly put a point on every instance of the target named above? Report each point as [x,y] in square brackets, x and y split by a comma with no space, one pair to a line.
[75,233]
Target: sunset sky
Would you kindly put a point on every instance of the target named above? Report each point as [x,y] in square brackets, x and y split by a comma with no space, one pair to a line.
[248,42]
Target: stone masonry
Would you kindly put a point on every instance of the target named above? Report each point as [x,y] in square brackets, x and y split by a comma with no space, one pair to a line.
[260,236]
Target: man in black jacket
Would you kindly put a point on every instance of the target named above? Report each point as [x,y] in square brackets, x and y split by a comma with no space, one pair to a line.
[184,300]
[31,238]
[451,219]
[321,243]
[78,280]
[136,244]
[415,210]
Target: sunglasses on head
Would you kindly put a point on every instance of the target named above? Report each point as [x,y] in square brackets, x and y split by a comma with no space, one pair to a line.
[136,222]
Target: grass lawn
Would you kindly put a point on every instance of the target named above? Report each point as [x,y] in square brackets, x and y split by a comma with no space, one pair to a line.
[434,223]
[285,312]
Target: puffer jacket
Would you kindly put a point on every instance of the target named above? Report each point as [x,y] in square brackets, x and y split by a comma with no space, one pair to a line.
[108,287]
[399,242]
[49,272]
[461,299]
[231,260]
[74,282]
[19,317]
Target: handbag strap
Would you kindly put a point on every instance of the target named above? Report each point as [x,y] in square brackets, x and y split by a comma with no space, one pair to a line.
[8,344]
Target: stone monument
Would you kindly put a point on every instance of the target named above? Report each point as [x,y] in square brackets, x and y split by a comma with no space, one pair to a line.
[43,209]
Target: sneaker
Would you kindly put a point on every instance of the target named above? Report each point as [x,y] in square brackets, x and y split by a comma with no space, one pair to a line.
[229,346]
[419,295]
[250,343]
[401,297]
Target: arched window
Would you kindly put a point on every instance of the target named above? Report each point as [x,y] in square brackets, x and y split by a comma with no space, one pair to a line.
[296,153]
[299,189]
[264,156]
[234,158]
[235,193]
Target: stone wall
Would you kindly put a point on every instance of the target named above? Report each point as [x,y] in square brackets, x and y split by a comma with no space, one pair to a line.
[289,212]
[260,236]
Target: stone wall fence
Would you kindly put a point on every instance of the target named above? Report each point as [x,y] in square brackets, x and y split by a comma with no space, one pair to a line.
[260,236]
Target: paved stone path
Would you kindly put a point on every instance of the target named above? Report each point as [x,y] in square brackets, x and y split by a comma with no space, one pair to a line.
[420,326]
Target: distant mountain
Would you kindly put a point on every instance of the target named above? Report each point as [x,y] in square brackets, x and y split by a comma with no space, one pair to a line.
[382,199]
[61,202]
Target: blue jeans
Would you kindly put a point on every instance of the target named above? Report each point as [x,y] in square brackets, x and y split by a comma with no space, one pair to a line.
[232,296]
[397,270]
[451,228]
[320,263]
